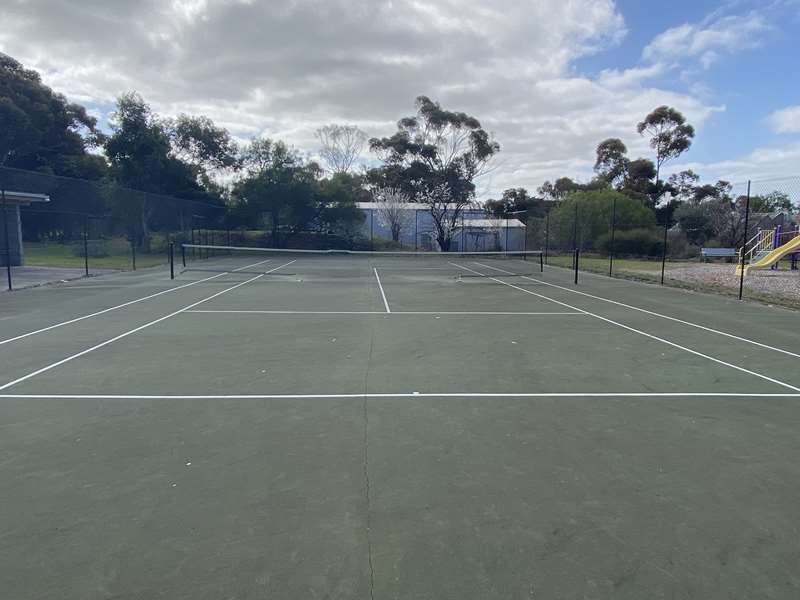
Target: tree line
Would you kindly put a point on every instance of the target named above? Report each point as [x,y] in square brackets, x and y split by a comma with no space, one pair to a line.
[433,159]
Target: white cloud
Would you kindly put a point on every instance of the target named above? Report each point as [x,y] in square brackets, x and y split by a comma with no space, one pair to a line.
[767,167]
[283,69]
[786,120]
[706,42]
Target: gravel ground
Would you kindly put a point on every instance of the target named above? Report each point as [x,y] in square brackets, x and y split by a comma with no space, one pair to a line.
[766,284]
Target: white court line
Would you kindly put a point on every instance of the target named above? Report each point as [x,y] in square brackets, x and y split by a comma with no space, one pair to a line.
[400,395]
[375,312]
[383,294]
[650,312]
[118,306]
[132,331]
[639,331]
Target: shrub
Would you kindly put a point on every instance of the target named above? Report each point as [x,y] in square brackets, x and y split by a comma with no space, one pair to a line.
[634,242]
[594,218]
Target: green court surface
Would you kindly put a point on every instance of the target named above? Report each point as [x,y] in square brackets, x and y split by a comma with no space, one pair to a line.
[382,427]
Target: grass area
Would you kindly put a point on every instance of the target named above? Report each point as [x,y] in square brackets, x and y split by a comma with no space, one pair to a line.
[62,255]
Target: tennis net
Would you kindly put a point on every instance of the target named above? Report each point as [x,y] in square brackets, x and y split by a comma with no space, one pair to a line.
[204,257]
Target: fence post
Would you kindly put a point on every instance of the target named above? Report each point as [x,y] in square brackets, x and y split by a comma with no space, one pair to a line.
[744,240]
[86,246]
[575,228]
[133,252]
[546,234]
[613,231]
[7,242]
[463,234]
[416,228]
[575,241]
[664,248]
[525,240]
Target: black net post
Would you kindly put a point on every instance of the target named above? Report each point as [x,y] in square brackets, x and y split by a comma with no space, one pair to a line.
[541,262]
[5,237]
[744,240]
[133,252]
[86,246]
[372,229]
[183,255]
[192,240]
[506,248]
[172,260]
[664,247]
[613,231]
[577,260]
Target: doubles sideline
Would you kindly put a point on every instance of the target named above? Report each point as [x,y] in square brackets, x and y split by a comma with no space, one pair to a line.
[634,330]
[124,304]
[136,329]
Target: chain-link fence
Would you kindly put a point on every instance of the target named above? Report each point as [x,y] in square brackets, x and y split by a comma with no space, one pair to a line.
[58,228]
[694,242]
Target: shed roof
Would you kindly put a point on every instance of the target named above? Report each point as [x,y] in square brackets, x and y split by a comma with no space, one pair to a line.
[24,198]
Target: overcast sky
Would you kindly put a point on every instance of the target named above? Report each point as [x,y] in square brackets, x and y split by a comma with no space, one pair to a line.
[549,78]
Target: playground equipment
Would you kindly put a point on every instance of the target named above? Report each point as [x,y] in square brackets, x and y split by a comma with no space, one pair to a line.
[769,246]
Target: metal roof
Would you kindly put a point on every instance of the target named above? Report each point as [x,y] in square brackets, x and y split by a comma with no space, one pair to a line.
[24,197]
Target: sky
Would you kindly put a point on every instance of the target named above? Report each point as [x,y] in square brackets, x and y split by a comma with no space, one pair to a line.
[550,79]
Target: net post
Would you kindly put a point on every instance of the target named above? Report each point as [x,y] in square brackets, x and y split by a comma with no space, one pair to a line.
[183,255]
[133,253]
[86,246]
[541,262]
[372,229]
[7,242]
[577,259]
[172,260]
[744,240]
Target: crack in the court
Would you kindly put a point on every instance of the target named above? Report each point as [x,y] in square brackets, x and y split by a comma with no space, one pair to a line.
[366,466]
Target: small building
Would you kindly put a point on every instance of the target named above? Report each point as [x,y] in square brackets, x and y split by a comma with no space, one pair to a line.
[487,235]
[11,250]
[417,229]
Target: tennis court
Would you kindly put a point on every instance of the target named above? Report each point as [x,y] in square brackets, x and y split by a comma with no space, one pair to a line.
[310,425]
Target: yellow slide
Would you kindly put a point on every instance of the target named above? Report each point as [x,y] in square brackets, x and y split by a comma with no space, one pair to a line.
[770,259]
